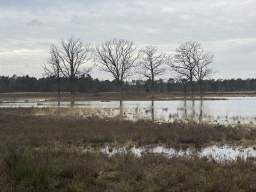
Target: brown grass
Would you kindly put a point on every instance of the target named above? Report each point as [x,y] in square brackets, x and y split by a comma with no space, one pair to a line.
[43,153]
[58,170]
[21,125]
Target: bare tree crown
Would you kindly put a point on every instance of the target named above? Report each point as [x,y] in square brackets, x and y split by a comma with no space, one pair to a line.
[53,65]
[189,58]
[152,63]
[190,62]
[68,60]
[202,69]
[74,54]
[117,57]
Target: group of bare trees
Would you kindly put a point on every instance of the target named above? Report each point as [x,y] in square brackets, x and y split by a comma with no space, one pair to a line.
[191,63]
[122,59]
[68,60]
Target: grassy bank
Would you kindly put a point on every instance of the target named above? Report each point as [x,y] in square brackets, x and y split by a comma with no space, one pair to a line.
[22,126]
[44,153]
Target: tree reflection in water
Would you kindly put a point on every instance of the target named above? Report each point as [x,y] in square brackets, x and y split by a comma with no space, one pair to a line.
[193,110]
[121,109]
[152,110]
[185,108]
[201,111]
[194,114]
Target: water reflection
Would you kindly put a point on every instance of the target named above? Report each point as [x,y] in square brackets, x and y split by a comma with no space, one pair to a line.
[190,110]
[235,110]
[224,154]
[193,109]
[185,108]
[121,109]
[152,110]
[201,111]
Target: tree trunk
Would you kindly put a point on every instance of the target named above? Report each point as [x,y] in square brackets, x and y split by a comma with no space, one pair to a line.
[72,87]
[201,88]
[121,90]
[193,89]
[152,89]
[58,80]
[185,90]
[152,83]
[192,84]
[201,91]
[72,79]
[59,87]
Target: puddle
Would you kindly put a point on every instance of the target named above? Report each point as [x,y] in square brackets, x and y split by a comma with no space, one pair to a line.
[219,154]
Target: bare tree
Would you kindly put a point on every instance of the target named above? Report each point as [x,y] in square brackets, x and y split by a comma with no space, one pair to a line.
[118,58]
[152,64]
[185,60]
[73,55]
[202,69]
[53,66]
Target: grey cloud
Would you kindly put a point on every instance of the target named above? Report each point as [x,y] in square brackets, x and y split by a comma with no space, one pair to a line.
[34,22]
[222,27]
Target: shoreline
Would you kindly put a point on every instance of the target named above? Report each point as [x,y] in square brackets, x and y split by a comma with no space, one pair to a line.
[110,96]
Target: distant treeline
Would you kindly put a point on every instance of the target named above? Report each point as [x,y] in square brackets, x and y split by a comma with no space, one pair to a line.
[86,84]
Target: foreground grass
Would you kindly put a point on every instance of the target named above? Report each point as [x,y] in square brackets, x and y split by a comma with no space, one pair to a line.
[44,153]
[30,169]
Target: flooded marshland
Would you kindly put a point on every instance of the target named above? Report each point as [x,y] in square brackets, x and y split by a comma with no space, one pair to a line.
[231,110]
[220,143]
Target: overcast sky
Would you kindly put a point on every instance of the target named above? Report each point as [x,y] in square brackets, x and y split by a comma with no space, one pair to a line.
[225,28]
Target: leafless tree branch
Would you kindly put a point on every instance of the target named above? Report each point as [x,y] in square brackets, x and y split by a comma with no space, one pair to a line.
[53,66]
[187,59]
[152,64]
[73,55]
[116,57]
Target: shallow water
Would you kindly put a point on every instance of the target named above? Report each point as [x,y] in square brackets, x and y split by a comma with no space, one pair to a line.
[236,110]
[219,154]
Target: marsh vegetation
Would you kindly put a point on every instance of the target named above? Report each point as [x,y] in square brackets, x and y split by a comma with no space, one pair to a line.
[215,110]
[145,145]
[50,152]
